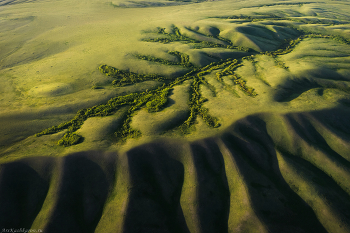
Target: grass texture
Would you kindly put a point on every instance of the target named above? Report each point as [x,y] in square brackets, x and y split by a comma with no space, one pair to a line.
[155,100]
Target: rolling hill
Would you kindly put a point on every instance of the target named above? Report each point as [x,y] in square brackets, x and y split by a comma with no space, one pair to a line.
[175,116]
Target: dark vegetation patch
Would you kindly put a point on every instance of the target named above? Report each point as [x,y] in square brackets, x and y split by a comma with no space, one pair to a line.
[155,100]
[183,59]
[70,139]
[144,4]
[124,78]
[176,36]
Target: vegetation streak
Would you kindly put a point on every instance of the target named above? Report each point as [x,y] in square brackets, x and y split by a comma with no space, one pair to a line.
[155,100]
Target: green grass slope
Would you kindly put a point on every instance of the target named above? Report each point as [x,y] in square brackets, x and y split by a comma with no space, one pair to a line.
[49,67]
[265,173]
[175,116]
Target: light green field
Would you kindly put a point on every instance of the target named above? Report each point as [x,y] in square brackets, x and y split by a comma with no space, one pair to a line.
[235,103]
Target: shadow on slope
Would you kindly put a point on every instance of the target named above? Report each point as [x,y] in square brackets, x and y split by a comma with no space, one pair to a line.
[213,191]
[12,2]
[85,179]
[56,194]
[296,181]
[318,77]
[274,202]
[154,200]
[23,191]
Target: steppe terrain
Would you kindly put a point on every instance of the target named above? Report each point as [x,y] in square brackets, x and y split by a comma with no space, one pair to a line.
[175,116]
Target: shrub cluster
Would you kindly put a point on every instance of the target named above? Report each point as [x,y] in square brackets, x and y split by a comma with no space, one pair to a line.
[237,80]
[70,139]
[226,43]
[287,47]
[197,44]
[125,131]
[171,37]
[196,108]
[158,101]
[184,59]
[123,78]
[155,100]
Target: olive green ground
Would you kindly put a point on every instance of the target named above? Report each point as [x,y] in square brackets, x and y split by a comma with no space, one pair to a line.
[236,110]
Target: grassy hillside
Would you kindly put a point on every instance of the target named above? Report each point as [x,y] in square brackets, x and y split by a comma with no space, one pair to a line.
[198,116]
[265,173]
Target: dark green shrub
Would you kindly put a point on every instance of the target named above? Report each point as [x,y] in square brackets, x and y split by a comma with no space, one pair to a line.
[158,102]
[70,139]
